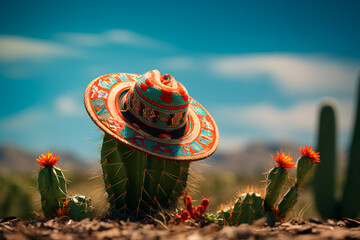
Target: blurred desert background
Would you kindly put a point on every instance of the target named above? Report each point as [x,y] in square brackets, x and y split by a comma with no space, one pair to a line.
[261,69]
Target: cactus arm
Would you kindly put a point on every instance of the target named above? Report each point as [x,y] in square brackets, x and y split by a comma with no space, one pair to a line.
[288,202]
[276,180]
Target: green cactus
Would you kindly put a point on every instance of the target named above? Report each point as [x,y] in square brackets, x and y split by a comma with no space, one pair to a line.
[251,206]
[52,185]
[276,180]
[328,205]
[79,208]
[351,197]
[247,209]
[223,216]
[138,184]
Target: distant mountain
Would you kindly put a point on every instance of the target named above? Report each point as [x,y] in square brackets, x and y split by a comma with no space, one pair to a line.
[14,159]
[253,159]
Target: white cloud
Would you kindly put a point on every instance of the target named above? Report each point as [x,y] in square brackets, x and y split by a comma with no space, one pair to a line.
[292,72]
[229,142]
[301,118]
[177,63]
[114,36]
[85,39]
[15,48]
[23,120]
[68,106]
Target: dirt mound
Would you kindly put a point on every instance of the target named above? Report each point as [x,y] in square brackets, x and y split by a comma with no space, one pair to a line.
[64,228]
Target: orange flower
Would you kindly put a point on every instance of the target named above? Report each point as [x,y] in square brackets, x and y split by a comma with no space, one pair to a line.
[47,160]
[283,160]
[308,152]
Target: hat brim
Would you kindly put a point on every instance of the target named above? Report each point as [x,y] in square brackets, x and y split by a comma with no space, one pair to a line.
[101,102]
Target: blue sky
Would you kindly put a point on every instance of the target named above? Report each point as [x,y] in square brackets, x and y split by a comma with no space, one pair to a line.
[261,68]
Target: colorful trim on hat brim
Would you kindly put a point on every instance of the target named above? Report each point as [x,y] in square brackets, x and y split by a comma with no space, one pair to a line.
[99,98]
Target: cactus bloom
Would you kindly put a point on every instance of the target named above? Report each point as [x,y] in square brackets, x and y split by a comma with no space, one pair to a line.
[308,152]
[48,160]
[283,160]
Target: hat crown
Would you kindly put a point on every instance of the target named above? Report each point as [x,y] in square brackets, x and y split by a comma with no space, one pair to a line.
[159,101]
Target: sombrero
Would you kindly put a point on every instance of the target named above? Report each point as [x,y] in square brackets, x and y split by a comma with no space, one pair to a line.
[153,114]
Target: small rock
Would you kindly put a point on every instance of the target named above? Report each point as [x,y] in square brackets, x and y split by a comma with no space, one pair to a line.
[194,236]
[226,233]
[112,233]
[243,231]
[331,222]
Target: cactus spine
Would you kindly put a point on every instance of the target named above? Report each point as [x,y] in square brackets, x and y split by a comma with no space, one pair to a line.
[325,178]
[52,185]
[138,184]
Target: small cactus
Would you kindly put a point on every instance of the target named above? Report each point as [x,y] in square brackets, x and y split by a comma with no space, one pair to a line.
[247,209]
[53,190]
[79,207]
[52,184]
[251,206]
[330,205]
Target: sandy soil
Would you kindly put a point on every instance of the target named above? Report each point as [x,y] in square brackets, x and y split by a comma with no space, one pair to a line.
[64,228]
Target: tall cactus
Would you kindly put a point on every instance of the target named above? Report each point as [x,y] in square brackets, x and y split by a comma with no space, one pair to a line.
[52,185]
[138,184]
[325,178]
[351,197]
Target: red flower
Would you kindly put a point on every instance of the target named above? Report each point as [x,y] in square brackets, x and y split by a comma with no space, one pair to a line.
[283,160]
[205,203]
[61,212]
[48,160]
[308,152]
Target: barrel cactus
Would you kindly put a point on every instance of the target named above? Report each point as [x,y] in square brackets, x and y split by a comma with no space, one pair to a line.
[138,184]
